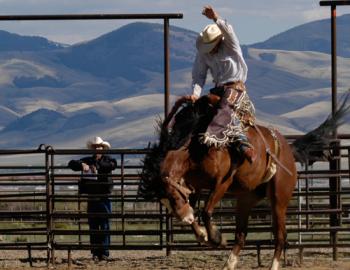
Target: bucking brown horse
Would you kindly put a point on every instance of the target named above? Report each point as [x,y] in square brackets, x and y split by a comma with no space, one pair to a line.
[179,167]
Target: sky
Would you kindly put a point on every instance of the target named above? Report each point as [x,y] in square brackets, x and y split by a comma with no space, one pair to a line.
[253,20]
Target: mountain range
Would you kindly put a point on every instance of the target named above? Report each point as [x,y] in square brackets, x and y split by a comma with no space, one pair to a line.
[112,86]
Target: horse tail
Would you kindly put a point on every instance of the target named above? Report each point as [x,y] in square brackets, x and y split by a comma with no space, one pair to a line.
[313,146]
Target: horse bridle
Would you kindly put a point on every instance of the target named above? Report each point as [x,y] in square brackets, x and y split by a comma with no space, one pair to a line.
[181,188]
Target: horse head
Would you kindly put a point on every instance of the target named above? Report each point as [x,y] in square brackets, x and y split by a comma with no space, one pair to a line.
[177,191]
[177,200]
[190,122]
[166,166]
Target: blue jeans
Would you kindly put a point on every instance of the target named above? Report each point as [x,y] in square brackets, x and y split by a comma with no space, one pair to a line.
[99,205]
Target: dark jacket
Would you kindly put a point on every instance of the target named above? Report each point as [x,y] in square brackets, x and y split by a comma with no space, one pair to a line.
[104,182]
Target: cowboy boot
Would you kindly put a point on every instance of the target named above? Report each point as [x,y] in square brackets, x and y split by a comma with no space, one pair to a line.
[248,152]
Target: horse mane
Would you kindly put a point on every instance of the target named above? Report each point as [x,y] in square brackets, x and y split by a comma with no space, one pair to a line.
[190,120]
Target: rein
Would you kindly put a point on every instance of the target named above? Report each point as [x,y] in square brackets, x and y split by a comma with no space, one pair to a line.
[176,106]
[269,152]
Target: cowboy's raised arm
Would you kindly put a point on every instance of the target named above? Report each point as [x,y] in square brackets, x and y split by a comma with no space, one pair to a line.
[230,37]
[199,75]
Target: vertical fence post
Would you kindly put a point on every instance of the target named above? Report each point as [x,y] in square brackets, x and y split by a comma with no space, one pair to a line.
[168,232]
[160,224]
[122,197]
[299,214]
[335,162]
[52,198]
[307,192]
[30,259]
[334,182]
[334,188]
[334,58]
[166,67]
[166,112]
[79,217]
[48,206]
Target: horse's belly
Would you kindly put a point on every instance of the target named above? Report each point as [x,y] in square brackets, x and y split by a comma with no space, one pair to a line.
[238,188]
[249,182]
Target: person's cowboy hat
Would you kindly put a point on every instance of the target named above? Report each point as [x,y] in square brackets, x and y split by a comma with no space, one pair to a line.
[209,38]
[97,142]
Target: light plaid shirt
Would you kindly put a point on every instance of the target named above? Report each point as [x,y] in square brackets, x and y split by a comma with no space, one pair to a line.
[227,65]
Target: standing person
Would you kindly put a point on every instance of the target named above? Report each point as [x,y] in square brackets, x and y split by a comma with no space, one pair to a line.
[96,180]
[218,50]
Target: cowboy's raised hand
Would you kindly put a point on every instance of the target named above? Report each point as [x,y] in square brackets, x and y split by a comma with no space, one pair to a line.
[210,13]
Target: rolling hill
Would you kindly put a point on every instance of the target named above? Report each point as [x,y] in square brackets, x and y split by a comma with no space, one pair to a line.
[112,86]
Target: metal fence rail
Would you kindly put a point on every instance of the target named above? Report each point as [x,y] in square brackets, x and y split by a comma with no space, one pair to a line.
[40,207]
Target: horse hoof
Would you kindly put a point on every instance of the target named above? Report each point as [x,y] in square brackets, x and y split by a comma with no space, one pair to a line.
[216,238]
[231,262]
[202,239]
[202,235]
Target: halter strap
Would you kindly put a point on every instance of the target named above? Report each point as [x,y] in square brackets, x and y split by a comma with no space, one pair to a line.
[185,191]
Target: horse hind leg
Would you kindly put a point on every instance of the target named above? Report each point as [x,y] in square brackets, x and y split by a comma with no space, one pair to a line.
[279,203]
[199,231]
[280,234]
[244,204]
[214,236]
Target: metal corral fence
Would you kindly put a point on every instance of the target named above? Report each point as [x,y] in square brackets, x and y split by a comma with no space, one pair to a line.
[41,209]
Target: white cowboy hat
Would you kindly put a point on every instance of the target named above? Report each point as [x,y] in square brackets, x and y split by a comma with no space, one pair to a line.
[209,38]
[97,141]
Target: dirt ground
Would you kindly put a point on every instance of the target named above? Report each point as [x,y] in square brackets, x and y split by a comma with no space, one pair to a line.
[157,260]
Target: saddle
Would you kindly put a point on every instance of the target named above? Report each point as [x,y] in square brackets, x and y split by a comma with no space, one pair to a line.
[244,113]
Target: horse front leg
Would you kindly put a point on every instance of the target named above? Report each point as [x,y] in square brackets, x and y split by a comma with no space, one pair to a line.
[199,231]
[214,236]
